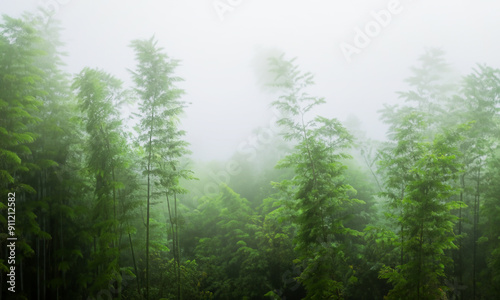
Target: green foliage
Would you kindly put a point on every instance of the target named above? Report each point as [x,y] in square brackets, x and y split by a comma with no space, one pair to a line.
[426,186]
[227,249]
[160,108]
[491,237]
[104,213]
[319,192]
[98,94]
[19,91]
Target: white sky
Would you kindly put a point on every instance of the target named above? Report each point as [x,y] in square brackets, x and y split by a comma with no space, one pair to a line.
[217,55]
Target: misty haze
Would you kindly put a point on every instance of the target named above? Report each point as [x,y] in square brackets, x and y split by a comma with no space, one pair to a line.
[231,149]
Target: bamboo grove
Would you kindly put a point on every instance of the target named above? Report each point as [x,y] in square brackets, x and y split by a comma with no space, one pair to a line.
[320,211]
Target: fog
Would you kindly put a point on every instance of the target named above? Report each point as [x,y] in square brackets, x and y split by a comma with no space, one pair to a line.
[101,198]
[221,45]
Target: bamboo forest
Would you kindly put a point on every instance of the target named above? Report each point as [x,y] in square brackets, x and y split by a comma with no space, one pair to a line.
[104,194]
